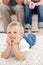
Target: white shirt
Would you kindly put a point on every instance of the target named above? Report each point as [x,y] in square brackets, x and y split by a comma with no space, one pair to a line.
[23,46]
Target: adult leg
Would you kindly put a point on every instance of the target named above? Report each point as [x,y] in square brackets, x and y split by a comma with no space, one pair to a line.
[40,16]
[19,10]
[28,15]
[4,11]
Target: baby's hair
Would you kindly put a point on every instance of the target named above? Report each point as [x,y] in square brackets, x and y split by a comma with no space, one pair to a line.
[18,24]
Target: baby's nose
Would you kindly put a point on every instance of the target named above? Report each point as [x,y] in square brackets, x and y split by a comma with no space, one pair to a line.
[12,35]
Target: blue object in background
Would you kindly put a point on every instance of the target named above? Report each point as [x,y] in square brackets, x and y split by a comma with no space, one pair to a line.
[31,39]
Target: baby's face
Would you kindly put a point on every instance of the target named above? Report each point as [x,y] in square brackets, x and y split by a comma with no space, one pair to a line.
[13,33]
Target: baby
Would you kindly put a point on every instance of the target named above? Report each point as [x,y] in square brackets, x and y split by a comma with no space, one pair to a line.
[15,45]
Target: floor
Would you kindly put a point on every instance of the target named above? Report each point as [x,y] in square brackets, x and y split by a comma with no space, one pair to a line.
[2,37]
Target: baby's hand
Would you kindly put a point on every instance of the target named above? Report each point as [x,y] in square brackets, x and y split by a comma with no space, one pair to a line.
[16,41]
[9,41]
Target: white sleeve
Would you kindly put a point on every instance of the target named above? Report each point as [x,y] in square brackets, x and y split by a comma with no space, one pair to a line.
[3,46]
[23,46]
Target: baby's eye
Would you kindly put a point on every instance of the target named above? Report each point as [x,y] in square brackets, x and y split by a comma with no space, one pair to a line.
[9,32]
[15,32]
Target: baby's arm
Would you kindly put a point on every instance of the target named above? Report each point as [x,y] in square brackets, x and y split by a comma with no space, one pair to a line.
[18,55]
[6,53]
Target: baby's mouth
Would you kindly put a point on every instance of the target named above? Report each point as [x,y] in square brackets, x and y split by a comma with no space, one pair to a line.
[12,39]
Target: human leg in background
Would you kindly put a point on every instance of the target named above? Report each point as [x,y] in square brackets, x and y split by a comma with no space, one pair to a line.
[4,10]
[28,16]
[40,19]
[40,15]
[19,11]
